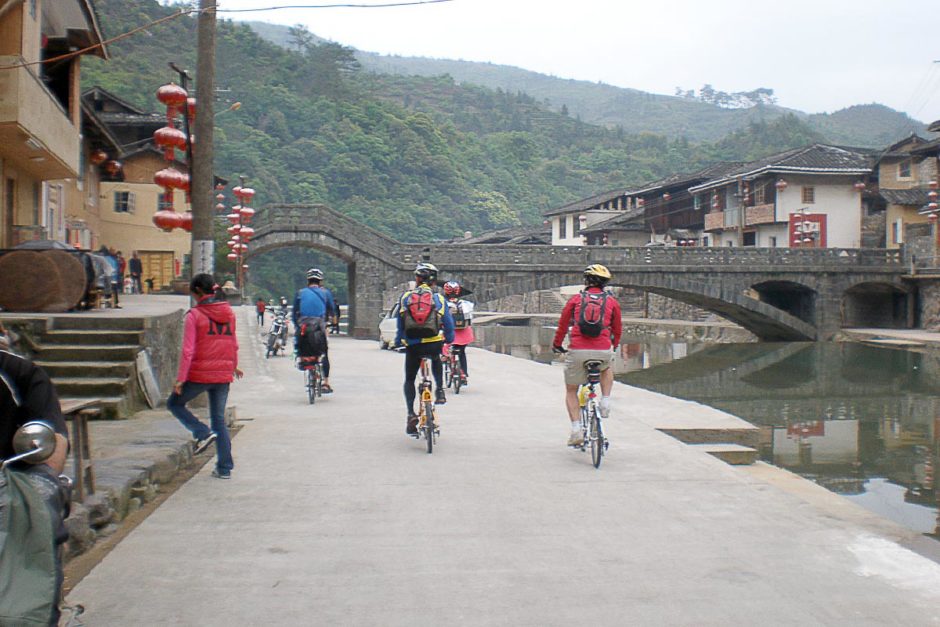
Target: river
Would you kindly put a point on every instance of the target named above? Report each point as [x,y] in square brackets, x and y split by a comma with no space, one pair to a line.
[862,421]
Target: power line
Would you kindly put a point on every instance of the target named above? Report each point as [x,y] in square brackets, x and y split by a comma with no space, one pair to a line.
[183,12]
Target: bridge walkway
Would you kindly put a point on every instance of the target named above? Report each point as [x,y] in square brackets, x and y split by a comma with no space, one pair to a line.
[333,516]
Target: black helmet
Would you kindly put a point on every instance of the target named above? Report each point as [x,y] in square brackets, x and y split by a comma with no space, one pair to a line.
[426,272]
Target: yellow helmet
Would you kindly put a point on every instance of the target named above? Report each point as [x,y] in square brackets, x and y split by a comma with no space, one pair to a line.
[597,272]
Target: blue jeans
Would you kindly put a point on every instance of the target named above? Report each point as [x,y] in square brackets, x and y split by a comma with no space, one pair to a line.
[218,395]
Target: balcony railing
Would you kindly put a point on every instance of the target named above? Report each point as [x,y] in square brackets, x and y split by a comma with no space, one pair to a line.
[35,130]
[714,221]
[759,214]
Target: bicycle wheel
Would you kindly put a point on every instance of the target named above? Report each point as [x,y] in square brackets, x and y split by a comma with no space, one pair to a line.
[597,440]
[311,390]
[457,373]
[429,425]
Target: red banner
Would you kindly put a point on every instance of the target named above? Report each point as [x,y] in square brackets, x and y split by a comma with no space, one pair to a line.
[807,230]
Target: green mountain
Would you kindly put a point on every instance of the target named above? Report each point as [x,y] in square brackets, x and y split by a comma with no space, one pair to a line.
[633,110]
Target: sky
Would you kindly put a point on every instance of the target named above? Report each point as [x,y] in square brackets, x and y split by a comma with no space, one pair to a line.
[817,55]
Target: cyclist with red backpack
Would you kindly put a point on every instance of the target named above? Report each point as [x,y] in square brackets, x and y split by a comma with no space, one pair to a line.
[424,324]
[593,317]
[462,312]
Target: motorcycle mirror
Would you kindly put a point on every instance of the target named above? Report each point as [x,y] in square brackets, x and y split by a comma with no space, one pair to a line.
[34,441]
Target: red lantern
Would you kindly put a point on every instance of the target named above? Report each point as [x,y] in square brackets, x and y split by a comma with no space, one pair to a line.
[666,196]
[234,229]
[233,218]
[219,186]
[186,222]
[860,186]
[640,202]
[172,95]
[932,195]
[98,157]
[247,213]
[932,206]
[166,220]
[220,197]
[780,185]
[247,232]
[231,243]
[220,207]
[231,256]
[237,190]
[932,185]
[191,108]
[247,194]
[169,138]
[113,168]
[932,217]
[170,178]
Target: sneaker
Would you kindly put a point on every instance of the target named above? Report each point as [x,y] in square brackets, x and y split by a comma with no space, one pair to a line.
[463,381]
[440,399]
[575,439]
[411,427]
[221,475]
[201,445]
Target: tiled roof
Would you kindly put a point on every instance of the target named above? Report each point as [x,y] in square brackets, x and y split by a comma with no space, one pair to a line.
[815,159]
[931,147]
[516,235]
[912,197]
[587,203]
[934,127]
[632,220]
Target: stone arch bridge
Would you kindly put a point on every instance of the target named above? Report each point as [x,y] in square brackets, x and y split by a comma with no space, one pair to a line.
[778,294]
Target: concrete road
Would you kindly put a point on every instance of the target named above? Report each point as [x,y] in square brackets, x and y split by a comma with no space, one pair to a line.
[334,517]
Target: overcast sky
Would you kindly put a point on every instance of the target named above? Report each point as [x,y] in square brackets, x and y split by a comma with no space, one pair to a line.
[817,55]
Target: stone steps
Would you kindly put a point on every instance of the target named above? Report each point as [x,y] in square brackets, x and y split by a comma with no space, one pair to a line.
[84,387]
[95,369]
[86,352]
[95,337]
[733,454]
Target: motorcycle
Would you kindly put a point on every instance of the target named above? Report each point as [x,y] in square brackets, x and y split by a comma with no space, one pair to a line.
[31,535]
[277,336]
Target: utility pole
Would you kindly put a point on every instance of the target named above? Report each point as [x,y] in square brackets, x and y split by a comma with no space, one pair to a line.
[203,247]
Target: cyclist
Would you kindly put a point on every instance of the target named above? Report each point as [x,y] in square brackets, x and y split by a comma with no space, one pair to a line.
[462,312]
[593,317]
[423,334]
[313,305]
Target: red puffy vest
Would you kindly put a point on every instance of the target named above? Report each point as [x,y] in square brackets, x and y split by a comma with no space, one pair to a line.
[216,352]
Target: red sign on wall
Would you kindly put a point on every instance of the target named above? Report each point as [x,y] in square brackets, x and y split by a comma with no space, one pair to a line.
[811,428]
[807,230]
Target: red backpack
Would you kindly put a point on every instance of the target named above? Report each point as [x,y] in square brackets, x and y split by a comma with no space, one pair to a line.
[591,316]
[422,317]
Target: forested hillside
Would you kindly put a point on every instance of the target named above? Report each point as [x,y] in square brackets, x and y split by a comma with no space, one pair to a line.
[633,110]
[418,158]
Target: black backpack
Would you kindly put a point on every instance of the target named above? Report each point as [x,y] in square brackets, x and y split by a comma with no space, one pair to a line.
[312,342]
[591,316]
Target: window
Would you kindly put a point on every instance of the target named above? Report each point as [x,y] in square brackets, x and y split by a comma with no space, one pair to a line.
[904,170]
[749,238]
[124,202]
[760,195]
[705,240]
[576,225]
[165,201]
[809,195]
[562,227]
[894,232]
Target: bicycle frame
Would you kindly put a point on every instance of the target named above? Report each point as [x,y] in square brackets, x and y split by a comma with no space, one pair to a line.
[427,426]
[592,429]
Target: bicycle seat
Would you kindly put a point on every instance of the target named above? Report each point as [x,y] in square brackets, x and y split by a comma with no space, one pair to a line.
[593,367]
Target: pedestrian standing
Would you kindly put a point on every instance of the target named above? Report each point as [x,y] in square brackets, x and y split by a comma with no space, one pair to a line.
[122,267]
[136,269]
[113,267]
[208,363]
[260,307]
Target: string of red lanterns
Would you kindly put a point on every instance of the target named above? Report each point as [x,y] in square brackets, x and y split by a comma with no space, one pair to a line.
[170,139]
[240,231]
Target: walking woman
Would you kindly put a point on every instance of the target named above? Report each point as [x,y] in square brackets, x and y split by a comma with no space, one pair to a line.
[208,363]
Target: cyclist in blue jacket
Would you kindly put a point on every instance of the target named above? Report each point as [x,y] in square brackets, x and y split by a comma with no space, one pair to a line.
[430,346]
[315,305]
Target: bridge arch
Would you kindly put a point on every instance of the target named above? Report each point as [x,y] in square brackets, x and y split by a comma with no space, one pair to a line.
[877,304]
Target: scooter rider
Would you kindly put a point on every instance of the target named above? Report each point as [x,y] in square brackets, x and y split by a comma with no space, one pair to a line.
[314,304]
[27,394]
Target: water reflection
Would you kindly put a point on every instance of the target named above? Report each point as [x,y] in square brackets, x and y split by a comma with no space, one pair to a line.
[859,420]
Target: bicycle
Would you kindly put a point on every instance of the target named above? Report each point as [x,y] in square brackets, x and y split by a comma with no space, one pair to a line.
[427,424]
[592,430]
[313,377]
[453,372]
